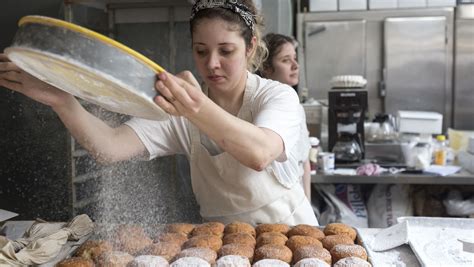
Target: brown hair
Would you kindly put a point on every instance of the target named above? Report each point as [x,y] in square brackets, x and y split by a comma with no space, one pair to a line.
[246,32]
[274,43]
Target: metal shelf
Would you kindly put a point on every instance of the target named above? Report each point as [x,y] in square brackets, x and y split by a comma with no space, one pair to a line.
[462,178]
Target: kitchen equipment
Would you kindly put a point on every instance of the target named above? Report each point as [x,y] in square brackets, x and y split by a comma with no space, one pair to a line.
[347,108]
[379,45]
[435,241]
[385,154]
[6,215]
[398,256]
[382,129]
[391,237]
[463,54]
[422,122]
[87,65]
[467,244]
[347,148]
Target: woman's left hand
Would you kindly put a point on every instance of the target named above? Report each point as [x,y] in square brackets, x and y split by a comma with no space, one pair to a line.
[180,95]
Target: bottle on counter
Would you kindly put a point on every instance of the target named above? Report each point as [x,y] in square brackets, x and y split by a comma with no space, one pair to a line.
[313,154]
[440,150]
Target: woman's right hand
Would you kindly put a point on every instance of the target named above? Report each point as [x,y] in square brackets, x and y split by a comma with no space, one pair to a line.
[14,78]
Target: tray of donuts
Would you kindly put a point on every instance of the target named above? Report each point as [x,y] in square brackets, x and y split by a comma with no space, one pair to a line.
[213,244]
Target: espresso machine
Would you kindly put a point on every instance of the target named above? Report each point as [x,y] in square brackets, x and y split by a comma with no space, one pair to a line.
[346,114]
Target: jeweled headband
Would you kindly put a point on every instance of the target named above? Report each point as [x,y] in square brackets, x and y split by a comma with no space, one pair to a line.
[232,5]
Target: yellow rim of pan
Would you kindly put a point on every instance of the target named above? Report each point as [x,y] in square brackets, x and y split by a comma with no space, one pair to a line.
[91,34]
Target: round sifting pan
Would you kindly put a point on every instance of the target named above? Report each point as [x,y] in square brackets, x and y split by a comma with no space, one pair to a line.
[88,65]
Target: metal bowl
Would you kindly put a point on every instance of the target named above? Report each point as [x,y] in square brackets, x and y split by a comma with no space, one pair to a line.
[88,65]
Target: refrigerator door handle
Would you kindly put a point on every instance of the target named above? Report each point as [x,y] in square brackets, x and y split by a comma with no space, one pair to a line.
[382,87]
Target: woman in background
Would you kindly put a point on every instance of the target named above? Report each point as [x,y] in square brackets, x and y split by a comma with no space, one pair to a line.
[282,65]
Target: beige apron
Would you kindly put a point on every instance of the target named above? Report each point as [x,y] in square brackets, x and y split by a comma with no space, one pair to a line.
[229,191]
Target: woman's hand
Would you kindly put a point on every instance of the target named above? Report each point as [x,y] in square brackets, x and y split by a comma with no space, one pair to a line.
[180,95]
[14,78]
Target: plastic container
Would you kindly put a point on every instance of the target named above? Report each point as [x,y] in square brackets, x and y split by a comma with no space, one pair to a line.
[440,150]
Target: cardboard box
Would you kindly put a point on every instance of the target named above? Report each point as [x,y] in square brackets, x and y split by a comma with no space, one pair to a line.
[422,122]
[383,4]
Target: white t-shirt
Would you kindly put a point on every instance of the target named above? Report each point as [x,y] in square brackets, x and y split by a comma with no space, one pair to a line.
[274,106]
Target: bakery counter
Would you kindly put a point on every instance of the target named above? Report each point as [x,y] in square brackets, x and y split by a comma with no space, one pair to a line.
[460,178]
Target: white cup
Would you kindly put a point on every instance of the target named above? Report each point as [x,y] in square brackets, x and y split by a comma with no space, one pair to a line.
[325,162]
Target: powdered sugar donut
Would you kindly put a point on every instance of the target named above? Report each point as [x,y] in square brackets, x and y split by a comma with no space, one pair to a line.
[190,261]
[312,251]
[233,261]
[343,251]
[206,254]
[270,263]
[352,262]
[149,261]
[311,262]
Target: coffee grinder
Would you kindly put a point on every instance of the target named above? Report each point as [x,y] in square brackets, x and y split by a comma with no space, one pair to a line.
[346,113]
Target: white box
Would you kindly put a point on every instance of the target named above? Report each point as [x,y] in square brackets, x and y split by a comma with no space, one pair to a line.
[442,3]
[382,4]
[411,3]
[322,5]
[352,4]
[466,160]
[422,122]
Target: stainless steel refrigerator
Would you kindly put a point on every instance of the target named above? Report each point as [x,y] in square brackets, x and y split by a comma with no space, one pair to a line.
[406,55]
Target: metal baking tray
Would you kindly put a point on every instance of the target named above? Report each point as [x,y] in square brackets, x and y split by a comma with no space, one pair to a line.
[398,257]
[435,241]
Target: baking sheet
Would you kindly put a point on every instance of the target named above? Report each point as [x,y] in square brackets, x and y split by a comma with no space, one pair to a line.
[401,256]
[6,215]
[435,241]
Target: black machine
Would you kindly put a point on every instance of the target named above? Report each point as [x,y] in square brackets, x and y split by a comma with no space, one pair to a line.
[346,114]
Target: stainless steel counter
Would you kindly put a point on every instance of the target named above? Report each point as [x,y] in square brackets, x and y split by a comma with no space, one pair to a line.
[462,177]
